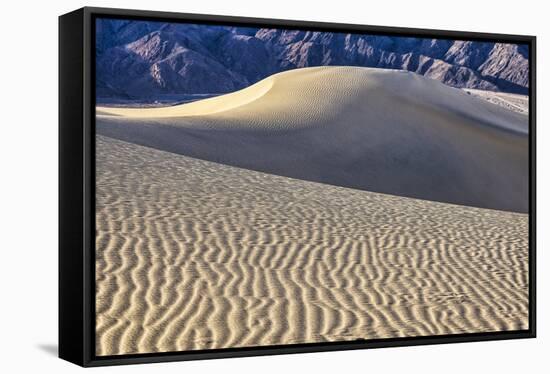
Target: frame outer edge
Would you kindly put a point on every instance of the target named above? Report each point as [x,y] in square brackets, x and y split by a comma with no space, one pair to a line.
[88,100]
[71,256]
[533,188]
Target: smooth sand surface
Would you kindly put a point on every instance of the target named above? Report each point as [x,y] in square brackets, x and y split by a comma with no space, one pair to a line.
[378,130]
[193,255]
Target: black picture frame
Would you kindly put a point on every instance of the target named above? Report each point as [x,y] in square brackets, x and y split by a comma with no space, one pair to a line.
[77,188]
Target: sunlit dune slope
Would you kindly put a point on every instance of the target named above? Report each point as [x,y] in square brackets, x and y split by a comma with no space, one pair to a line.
[379,130]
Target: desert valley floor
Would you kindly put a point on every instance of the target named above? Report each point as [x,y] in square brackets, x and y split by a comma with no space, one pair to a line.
[193,255]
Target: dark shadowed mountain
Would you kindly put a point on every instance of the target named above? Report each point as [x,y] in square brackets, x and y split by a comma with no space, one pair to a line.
[142,60]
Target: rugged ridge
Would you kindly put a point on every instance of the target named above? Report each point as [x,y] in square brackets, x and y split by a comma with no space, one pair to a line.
[137,59]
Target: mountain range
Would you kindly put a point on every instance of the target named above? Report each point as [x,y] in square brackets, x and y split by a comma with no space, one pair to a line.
[145,60]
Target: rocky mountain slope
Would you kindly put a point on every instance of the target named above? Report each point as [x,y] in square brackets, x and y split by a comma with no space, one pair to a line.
[140,60]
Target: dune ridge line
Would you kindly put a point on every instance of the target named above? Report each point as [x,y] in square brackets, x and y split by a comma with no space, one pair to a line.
[378,130]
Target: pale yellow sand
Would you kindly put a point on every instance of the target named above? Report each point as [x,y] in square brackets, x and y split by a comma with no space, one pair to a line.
[193,255]
[378,130]
[514,102]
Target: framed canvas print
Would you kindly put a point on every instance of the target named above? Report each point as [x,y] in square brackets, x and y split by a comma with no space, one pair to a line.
[236,186]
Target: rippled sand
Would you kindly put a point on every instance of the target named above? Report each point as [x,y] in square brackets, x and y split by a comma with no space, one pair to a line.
[193,255]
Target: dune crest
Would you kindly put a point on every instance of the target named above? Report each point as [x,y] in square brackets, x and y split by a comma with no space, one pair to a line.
[208,106]
[372,129]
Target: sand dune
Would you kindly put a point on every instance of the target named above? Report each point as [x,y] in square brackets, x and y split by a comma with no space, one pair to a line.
[372,129]
[201,107]
[193,254]
[514,102]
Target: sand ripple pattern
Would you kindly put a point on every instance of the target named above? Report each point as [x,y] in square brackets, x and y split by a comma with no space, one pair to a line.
[196,255]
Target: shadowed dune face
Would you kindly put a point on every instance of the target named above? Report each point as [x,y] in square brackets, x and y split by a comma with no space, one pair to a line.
[196,255]
[370,129]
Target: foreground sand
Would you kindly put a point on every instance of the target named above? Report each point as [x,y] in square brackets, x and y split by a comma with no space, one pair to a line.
[194,255]
[378,130]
